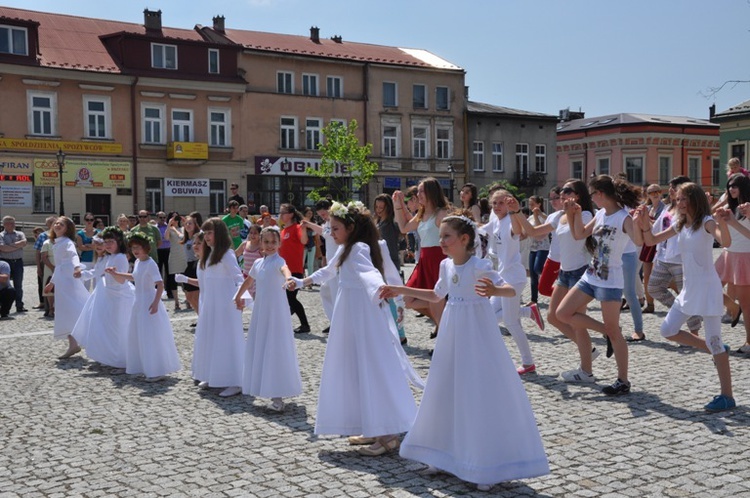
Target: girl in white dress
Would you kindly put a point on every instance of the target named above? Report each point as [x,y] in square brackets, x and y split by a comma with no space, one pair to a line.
[363,389]
[475,420]
[271,368]
[219,336]
[102,328]
[70,294]
[603,280]
[701,294]
[150,347]
[329,289]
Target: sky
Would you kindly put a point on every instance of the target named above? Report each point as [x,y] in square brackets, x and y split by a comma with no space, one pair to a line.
[598,56]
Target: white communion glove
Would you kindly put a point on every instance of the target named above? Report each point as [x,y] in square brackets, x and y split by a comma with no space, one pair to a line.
[180,278]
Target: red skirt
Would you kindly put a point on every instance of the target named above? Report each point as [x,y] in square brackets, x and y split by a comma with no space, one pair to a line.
[427,271]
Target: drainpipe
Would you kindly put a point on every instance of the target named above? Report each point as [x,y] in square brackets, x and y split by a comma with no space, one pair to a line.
[365,105]
[134,140]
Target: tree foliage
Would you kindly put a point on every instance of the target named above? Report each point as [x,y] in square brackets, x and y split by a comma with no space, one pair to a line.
[484,191]
[343,159]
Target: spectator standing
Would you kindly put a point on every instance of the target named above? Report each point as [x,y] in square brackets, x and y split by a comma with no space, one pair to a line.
[234,189]
[177,262]
[265,219]
[39,264]
[12,243]
[149,230]
[85,244]
[234,223]
[293,241]
[247,223]
[7,292]
[163,252]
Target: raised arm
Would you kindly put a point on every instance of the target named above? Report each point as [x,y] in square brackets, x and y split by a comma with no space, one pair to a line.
[399,206]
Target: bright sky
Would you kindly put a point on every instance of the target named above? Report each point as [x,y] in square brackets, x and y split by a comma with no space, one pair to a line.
[604,57]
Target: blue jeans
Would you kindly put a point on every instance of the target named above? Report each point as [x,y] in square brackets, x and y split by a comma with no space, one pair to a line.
[629,265]
[536,265]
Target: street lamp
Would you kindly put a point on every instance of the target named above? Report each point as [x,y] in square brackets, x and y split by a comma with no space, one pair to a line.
[60,165]
[286,167]
[452,172]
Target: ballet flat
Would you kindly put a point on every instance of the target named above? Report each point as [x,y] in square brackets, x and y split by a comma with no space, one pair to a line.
[359,440]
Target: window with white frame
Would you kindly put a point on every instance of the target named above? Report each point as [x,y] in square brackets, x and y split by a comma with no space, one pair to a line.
[715,171]
[576,169]
[390,140]
[334,87]
[44,199]
[97,116]
[312,133]
[284,82]
[419,96]
[182,125]
[163,56]
[442,102]
[522,160]
[154,195]
[602,165]
[310,84]
[217,196]
[419,135]
[634,169]
[443,141]
[694,170]
[153,117]
[219,126]
[540,158]
[213,61]
[497,157]
[288,133]
[390,94]
[665,169]
[42,113]
[478,155]
[13,40]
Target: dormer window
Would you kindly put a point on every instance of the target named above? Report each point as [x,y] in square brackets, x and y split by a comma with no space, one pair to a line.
[13,40]
[163,56]
[213,61]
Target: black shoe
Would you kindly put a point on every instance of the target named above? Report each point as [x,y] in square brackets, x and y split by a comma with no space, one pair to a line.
[404,341]
[21,310]
[194,324]
[619,387]
[327,329]
[302,330]
[610,351]
[420,315]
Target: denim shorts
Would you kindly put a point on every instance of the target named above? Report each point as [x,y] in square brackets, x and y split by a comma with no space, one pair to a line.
[601,294]
[570,278]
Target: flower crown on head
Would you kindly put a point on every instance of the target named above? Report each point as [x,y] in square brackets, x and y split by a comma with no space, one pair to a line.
[112,232]
[140,237]
[340,210]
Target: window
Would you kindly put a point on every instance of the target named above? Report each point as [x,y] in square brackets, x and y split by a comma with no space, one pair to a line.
[602,165]
[310,84]
[284,82]
[312,133]
[694,170]
[182,125]
[334,87]
[576,169]
[540,158]
[665,169]
[522,160]
[478,156]
[13,40]
[634,170]
[715,171]
[497,157]
[288,133]
[441,98]
[219,126]
[738,151]
[42,113]
[390,141]
[217,196]
[154,194]
[443,143]
[153,123]
[213,61]
[389,94]
[44,199]
[419,96]
[163,56]
[419,142]
[97,116]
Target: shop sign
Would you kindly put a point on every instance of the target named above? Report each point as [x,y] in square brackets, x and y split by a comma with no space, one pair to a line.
[55,145]
[187,150]
[186,187]
[13,196]
[292,166]
[16,166]
[82,173]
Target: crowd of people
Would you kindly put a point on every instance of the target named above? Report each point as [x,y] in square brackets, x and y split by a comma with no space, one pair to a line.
[595,243]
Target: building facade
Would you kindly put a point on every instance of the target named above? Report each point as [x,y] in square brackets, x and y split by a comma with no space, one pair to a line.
[734,134]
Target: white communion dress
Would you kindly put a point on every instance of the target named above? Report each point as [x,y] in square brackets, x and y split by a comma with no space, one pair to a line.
[70,293]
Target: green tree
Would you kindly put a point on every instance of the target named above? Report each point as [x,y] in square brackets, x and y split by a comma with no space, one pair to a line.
[484,191]
[343,159]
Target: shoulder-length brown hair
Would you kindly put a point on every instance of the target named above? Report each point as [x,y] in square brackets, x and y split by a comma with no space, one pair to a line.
[433,194]
[70,229]
[697,204]
[222,242]
[361,228]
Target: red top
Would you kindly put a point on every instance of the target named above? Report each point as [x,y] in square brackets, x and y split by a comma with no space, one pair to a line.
[292,250]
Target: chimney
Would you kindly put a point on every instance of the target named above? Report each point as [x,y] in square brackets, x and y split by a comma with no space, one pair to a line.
[712,111]
[315,34]
[219,24]
[337,39]
[152,20]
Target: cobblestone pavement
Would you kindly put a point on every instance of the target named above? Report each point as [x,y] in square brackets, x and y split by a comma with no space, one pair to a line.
[68,428]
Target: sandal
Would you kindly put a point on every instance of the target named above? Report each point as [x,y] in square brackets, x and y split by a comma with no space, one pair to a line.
[381,447]
[636,338]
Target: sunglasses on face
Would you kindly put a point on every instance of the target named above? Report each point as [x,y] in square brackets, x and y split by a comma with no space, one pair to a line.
[567,190]
[89,219]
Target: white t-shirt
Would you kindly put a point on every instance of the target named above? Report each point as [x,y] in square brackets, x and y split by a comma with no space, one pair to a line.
[507,248]
[573,253]
[666,251]
[740,243]
[605,268]
[554,245]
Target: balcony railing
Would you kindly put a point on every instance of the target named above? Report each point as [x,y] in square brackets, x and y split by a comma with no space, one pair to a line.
[530,179]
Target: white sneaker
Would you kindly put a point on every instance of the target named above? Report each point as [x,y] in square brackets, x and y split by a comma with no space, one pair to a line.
[727,318]
[203,385]
[484,487]
[744,349]
[230,391]
[578,376]
[277,405]
[595,354]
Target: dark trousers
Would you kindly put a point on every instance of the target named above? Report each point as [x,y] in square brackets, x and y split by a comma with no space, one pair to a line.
[295,307]
[536,265]
[16,275]
[164,268]
[7,296]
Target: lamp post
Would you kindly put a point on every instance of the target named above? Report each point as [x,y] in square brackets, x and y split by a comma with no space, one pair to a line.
[452,172]
[286,167]
[60,165]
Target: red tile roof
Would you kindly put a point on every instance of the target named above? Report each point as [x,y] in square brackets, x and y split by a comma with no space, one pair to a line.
[72,42]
